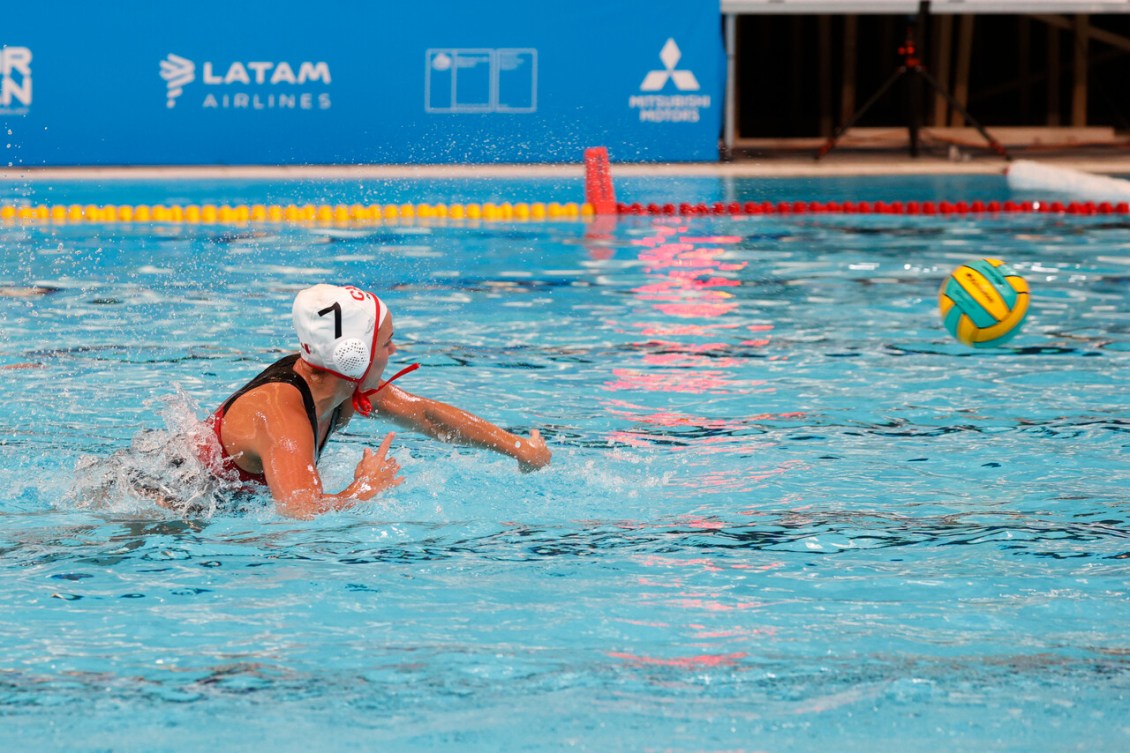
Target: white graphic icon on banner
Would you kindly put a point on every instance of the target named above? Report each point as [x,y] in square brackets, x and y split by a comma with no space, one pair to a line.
[481,80]
[178,72]
[656,80]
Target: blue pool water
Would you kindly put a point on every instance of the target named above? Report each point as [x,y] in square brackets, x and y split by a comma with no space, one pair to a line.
[786,511]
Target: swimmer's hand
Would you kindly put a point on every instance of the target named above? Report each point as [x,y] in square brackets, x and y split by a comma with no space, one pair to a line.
[532,454]
[376,472]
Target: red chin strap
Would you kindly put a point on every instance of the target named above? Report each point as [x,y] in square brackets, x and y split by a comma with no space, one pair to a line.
[361,402]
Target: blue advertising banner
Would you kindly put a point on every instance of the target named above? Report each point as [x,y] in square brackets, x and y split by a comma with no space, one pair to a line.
[135,82]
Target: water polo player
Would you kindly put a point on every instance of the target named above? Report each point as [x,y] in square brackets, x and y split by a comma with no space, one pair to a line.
[272,431]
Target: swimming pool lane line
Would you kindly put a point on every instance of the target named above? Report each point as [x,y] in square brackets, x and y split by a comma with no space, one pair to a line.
[373,214]
[337,214]
[879,207]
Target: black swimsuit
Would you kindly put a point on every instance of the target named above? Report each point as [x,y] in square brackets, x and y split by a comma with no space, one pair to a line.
[283,371]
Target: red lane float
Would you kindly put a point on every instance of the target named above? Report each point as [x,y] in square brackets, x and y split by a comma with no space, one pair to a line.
[911,207]
[600,194]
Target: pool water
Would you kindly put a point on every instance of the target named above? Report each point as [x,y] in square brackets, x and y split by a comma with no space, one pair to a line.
[786,511]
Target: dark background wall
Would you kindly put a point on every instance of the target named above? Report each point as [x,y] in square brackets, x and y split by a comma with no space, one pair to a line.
[791,70]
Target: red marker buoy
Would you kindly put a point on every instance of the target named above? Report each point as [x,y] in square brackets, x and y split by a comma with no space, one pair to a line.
[598,181]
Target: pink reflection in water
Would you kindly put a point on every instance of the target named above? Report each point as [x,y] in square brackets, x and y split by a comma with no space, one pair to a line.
[675,346]
[690,279]
[737,632]
[643,414]
[704,524]
[700,382]
[628,438]
[684,662]
[644,623]
[598,237]
[676,289]
[654,560]
[740,480]
[712,239]
[713,605]
[681,287]
[685,256]
[689,361]
[657,329]
[696,310]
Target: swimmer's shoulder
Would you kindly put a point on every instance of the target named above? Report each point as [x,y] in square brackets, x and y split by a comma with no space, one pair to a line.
[274,405]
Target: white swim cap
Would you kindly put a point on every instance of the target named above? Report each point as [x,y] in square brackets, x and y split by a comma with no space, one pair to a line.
[337,328]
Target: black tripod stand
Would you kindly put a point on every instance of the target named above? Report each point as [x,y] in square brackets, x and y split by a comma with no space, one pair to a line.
[912,65]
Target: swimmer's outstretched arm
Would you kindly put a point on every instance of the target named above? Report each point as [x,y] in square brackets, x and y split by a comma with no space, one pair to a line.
[279,436]
[451,424]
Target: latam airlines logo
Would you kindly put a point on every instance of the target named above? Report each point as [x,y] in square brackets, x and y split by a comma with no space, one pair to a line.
[251,85]
[680,107]
[15,80]
[178,72]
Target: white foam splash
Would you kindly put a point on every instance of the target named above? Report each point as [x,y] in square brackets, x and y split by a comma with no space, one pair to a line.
[175,468]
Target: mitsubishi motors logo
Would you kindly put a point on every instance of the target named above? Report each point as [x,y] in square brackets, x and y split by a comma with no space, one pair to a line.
[677,107]
[656,80]
[178,72]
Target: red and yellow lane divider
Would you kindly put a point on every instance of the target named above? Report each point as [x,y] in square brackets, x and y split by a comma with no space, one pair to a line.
[876,207]
[374,214]
[324,214]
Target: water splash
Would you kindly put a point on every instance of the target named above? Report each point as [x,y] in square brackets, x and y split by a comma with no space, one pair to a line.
[176,468]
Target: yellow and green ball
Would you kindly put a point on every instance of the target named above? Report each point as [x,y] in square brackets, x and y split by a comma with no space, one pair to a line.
[984,303]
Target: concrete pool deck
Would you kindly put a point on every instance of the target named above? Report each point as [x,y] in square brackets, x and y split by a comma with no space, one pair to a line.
[790,163]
